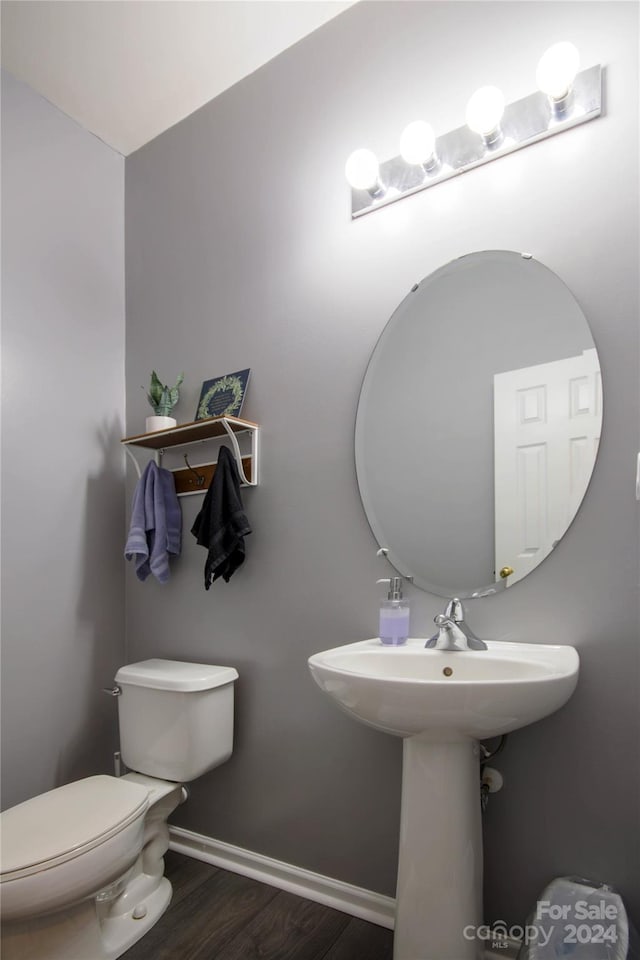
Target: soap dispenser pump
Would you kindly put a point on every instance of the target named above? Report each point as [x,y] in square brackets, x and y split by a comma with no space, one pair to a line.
[394,614]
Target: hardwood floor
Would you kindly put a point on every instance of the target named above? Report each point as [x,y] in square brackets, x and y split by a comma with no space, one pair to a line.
[217,915]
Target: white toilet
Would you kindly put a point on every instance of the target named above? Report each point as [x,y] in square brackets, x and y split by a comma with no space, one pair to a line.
[82,866]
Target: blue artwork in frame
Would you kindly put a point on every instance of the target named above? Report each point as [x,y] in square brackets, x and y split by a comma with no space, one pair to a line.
[223,396]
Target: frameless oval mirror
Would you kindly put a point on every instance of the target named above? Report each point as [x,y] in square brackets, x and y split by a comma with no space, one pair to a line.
[478,424]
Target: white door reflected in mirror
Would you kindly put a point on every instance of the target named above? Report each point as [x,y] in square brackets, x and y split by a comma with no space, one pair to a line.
[547,421]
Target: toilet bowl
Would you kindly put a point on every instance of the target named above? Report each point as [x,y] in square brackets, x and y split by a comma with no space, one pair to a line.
[81,867]
[69,843]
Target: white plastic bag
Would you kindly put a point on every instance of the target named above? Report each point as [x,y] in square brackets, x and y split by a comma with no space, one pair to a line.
[577,919]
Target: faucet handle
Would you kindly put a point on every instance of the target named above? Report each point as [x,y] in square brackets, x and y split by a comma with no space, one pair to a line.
[455,610]
[444,620]
[449,636]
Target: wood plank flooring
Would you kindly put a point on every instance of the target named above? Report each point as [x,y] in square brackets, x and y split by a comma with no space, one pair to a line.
[217,915]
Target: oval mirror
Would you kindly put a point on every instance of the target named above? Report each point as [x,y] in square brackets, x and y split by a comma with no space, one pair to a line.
[478,424]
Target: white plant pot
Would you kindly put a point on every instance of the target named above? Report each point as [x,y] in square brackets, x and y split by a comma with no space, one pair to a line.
[159,423]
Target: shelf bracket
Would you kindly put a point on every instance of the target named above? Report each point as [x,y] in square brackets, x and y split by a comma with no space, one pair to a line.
[238,456]
[133,459]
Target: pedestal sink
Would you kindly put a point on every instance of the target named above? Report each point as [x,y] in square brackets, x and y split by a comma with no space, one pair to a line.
[442,703]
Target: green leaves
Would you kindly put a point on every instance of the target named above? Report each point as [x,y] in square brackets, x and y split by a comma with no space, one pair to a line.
[161,397]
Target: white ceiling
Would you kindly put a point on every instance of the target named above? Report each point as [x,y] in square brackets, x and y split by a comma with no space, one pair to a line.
[127,70]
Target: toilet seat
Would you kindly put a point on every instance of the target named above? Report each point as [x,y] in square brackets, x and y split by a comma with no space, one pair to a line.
[65,823]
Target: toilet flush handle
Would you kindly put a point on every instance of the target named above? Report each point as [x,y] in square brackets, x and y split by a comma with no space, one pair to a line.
[112,691]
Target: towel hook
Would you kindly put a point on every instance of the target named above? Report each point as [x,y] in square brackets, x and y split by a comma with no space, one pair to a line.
[200,479]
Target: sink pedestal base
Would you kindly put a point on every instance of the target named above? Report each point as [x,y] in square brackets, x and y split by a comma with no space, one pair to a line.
[439,893]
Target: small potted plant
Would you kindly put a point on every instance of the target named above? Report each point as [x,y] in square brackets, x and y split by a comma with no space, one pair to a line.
[162,399]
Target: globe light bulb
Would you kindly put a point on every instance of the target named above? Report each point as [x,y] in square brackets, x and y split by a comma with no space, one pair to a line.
[362,170]
[417,143]
[484,111]
[557,69]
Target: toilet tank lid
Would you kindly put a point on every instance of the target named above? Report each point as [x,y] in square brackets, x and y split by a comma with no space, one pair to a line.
[175,675]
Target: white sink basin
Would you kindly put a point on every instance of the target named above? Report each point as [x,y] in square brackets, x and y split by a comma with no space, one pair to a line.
[477,694]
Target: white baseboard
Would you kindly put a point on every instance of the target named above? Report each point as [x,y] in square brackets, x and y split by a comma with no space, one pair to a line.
[355,901]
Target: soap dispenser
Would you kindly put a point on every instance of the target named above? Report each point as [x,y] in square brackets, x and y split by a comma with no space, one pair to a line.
[394,614]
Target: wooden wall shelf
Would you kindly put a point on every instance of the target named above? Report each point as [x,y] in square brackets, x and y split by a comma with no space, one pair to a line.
[198,431]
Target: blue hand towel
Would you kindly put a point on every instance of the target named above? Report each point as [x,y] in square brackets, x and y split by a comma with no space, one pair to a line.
[156,524]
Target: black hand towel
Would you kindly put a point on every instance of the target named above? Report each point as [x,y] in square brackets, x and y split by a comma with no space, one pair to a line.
[222,523]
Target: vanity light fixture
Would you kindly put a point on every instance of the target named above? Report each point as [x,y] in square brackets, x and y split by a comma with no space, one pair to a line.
[565,98]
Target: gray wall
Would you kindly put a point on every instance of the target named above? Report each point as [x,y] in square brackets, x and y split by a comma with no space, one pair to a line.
[62,415]
[240,252]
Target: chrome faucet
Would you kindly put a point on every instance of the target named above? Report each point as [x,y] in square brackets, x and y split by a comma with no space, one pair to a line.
[453,632]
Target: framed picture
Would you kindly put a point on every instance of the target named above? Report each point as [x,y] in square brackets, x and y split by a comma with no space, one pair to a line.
[223,396]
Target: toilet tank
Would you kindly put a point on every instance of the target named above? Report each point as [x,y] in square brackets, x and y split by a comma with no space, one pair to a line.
[176,719]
